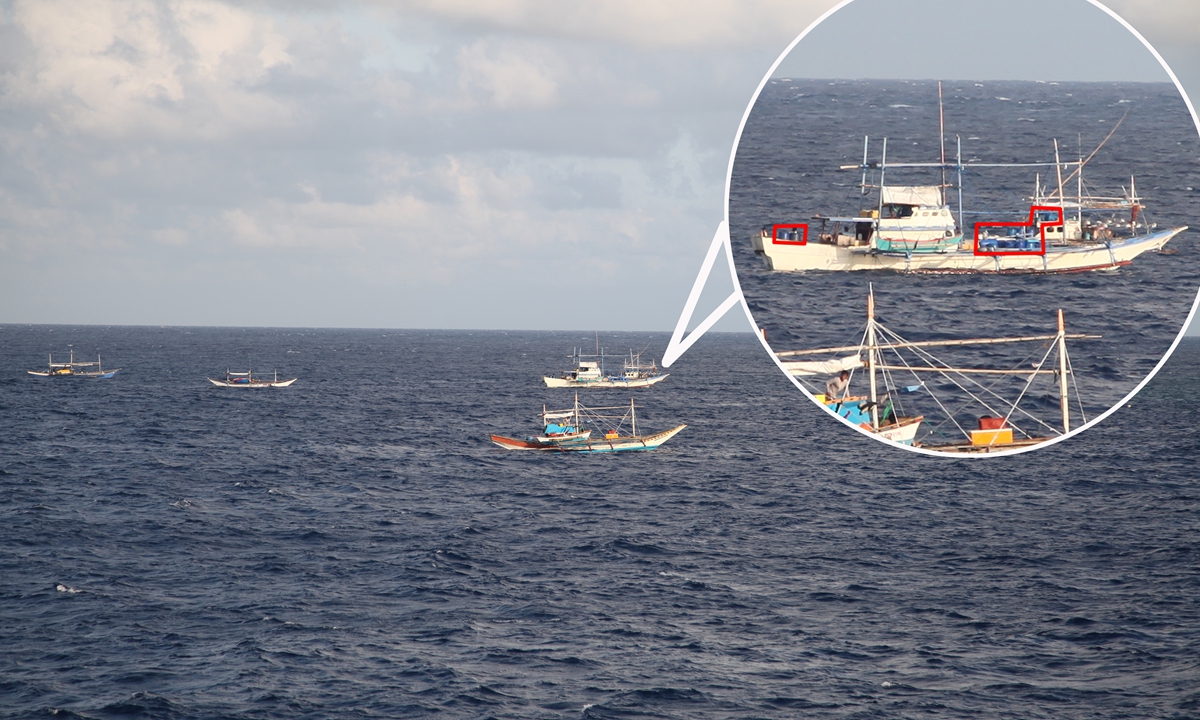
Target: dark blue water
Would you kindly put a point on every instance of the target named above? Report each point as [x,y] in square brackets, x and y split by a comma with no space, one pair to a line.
[786,170]
[353,546]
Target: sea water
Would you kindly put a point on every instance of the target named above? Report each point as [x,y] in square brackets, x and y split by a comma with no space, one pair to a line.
[354,546]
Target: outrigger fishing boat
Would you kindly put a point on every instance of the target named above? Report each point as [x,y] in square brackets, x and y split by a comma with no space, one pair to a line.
[249,380]
[93,370]
[1003,424]
[912,229]
[566,431]
[591,373]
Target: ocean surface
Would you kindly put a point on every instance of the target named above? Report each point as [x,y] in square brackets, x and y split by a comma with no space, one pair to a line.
[354,546]
[801,131]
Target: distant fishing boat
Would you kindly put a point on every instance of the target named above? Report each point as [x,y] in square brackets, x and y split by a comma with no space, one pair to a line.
[912,229]
[565,431]
[592,374]
[249,380]
[94,370]
[1003,424]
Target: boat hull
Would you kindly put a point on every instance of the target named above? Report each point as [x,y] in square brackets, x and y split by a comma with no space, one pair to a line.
[968,448]
[904,431]
[610,382]
[1085,258]
[587,445]
[105,375]
[255,384]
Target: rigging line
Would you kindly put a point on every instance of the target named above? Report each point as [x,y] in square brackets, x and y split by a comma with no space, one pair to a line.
[862,342]
[1028,383]
[1079,169]
[898,408]
[897,401]
[929,358]
[948,414]
[989,389]
[952,416]
[1075,384]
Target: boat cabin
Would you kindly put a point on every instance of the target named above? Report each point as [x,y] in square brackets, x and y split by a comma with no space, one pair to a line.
[586,370]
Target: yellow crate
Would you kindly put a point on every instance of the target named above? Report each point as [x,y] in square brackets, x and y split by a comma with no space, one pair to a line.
[991,437]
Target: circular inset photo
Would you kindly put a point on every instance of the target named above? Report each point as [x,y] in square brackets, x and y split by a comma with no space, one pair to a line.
[968,234]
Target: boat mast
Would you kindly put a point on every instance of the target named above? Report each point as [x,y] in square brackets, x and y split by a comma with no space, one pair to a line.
[961,228]
[863,185]
[879,211]
[1064,400]
[1078,189]
[1058,169]
[871,361]
[942,140]
[632,417]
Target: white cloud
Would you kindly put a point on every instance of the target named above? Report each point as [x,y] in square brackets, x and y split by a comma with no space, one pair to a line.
[116,69]
[509,77]
[262,156]
[661,24]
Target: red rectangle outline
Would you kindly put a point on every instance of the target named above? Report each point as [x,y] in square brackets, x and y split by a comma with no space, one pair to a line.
[1030,223]
[786,226]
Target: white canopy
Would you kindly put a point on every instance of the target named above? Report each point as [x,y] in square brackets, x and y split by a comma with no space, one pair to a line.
[823,367]
[926,195]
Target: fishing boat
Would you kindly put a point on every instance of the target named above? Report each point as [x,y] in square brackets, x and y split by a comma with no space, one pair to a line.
[985,420]
[249,380]
[93,370]
[912,229]
[592,374]
[567,431]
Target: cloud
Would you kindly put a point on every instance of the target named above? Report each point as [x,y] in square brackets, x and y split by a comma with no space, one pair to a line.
[509,77]
[662,24]
[182,159]
[118,69]
[1171,20]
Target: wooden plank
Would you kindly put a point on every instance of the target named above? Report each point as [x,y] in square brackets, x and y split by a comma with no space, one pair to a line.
[964,371]
[935,343]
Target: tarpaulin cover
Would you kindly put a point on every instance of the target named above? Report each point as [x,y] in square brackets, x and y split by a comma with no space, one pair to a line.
[926,195]
[823,367]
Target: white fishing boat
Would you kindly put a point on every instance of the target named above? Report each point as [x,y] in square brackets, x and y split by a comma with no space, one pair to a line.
[567,431]
[912,229]
[91,370]
[985,419]
[592,373]
[249,380]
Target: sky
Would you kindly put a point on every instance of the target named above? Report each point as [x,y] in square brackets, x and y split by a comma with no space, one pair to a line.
[513,164]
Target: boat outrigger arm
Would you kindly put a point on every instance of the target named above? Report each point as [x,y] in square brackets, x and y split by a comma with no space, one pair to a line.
[993,435]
